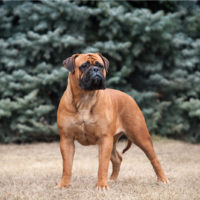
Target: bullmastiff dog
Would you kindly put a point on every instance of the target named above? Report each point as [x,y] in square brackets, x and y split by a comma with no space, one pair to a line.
[92,114]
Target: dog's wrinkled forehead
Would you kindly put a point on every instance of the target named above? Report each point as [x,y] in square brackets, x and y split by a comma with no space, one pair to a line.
[77,60]
[91,57]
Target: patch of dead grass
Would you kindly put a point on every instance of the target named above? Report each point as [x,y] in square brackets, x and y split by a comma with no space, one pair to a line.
[31,171]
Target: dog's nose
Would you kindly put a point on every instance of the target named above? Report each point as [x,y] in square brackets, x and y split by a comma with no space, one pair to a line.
[95,69]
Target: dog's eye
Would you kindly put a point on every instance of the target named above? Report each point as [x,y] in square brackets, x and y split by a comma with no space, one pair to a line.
[99,65]
[84,66]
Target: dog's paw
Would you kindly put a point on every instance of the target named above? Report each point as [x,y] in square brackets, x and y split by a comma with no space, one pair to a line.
[61,185]
[113,178]
[163,180]
[102,186]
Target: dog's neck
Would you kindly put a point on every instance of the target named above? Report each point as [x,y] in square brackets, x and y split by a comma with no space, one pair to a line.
[79,98]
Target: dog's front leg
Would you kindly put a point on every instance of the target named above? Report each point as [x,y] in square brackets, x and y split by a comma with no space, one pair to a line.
[67,149]
[105,149]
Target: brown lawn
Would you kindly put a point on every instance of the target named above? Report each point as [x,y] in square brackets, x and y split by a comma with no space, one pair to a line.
[31,171]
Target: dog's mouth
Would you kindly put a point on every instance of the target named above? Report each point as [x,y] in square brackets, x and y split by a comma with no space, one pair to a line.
[97,79]
[93,79]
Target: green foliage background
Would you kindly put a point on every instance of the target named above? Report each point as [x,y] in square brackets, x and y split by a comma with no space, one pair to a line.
[153,49]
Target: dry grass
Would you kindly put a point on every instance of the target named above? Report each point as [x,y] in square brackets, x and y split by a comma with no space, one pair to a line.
[32,171]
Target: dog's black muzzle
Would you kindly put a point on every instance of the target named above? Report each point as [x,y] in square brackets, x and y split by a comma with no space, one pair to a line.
[93,79]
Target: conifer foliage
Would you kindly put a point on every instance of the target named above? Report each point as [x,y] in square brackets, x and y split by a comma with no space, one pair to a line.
[154,55]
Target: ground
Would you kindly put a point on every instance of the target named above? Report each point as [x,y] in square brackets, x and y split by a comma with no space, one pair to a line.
[31,171]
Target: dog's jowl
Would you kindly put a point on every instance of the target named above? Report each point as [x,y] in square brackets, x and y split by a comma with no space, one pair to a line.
[92,114]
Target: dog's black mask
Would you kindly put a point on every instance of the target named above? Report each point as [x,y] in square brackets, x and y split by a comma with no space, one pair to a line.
[93,78]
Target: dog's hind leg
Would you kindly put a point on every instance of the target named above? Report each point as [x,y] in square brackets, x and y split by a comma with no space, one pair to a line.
[147,146]
[116,158]
[139,134]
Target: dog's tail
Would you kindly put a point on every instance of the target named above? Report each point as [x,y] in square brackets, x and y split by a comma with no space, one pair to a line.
[127,146]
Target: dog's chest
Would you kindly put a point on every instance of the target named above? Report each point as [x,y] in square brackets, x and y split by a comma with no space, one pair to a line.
[89,123]
[86,127]
[85,118]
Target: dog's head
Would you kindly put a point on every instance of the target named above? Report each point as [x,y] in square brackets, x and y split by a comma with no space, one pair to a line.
[89,69]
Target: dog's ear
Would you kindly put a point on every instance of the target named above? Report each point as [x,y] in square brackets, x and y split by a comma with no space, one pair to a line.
[69,63]
[105,61]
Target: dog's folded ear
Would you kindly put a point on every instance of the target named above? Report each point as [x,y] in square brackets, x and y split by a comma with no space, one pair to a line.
[69,63]
[105,61]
